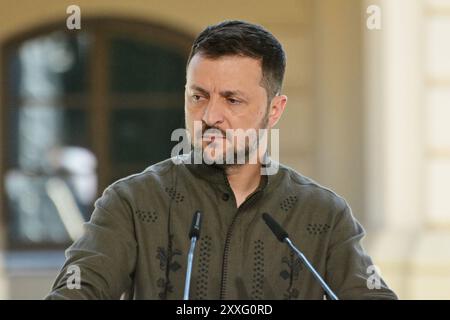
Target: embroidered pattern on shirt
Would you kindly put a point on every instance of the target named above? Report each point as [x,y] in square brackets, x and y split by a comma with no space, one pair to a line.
[258,270]
[147,216]
[165,261]
[290,273]
[174,194]
[317,228]
[288,203]
[204,260]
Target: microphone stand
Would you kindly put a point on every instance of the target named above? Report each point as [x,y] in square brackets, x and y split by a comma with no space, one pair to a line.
[283,236]
[308,265]
[194,234]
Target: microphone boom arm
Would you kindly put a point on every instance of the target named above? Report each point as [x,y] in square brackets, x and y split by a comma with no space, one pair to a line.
[194,235]
[283,236]
[187,283]
[308,265]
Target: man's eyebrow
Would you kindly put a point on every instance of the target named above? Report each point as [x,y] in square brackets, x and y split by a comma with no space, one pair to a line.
[199,89]
[225,94]
[233,93]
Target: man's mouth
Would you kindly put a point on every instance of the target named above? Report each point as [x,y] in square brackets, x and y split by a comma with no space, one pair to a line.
[212,137]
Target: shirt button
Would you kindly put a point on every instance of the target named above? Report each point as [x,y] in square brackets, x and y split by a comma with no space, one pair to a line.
[225,197]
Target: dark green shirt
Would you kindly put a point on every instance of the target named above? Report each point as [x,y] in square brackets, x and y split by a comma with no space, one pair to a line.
[136,242]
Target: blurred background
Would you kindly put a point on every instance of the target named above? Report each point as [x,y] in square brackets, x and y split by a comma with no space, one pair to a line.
[368,116]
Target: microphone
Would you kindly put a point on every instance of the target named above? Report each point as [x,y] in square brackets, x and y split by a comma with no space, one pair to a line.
[194,235]
[195,226]
[283,236]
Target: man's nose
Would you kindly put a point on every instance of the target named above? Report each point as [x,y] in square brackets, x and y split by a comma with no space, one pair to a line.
[213,114]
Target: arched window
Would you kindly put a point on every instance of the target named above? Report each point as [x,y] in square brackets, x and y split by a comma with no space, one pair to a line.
[81,109]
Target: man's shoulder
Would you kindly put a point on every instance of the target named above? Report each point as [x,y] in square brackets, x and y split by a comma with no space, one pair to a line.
[307,188]
[155,174]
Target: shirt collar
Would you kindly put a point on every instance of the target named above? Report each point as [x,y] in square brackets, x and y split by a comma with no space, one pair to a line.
[216,175]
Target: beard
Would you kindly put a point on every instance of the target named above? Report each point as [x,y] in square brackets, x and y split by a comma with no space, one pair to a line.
[233,155]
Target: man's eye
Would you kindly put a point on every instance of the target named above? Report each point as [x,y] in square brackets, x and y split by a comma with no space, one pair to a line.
[196,97]
[233,101]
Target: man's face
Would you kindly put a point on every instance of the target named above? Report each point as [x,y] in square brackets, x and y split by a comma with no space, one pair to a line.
[224,93]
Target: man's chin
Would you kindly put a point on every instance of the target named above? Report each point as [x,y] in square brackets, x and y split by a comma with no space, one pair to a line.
[219,158]
[215,157]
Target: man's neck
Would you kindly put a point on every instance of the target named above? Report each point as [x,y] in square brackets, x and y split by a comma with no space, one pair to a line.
[243,179]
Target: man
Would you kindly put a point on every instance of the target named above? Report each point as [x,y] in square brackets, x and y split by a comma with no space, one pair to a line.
[136,241]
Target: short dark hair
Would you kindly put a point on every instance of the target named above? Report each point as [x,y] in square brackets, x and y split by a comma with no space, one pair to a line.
[236,37]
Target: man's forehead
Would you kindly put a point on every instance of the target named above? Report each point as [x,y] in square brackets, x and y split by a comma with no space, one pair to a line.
[225,64]
[233,73]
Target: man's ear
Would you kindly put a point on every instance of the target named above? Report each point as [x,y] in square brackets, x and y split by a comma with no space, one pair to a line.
[276,109]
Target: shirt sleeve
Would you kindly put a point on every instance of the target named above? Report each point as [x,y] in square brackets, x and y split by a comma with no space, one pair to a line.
[350,271]
[105,255]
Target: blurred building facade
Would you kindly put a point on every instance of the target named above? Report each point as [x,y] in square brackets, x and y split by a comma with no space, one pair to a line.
[365,117]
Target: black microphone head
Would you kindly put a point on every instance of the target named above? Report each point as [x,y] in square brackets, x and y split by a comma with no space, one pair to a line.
[277,230]
[196,224]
